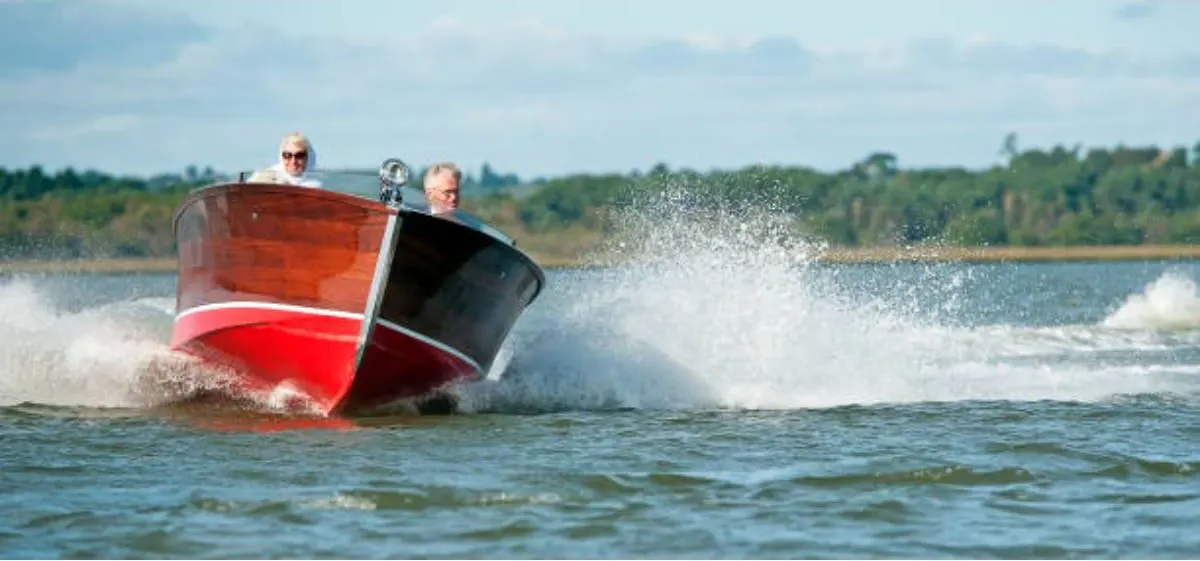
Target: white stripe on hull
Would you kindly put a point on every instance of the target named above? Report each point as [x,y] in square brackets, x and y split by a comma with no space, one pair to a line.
[432,342]
[269,306]
[333,313]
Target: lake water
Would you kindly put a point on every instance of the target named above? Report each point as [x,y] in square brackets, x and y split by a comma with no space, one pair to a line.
[715,403]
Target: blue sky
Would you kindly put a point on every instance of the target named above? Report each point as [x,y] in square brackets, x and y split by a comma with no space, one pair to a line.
[546,87]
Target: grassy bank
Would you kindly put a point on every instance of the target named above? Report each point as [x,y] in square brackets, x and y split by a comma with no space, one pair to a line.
[1012,254]
[847,255]
[80,266]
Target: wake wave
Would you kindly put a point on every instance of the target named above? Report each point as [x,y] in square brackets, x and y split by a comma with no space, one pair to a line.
[731,310]
[1170,302]
[111,355]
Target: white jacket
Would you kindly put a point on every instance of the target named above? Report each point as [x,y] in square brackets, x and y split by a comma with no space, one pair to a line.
[277,174]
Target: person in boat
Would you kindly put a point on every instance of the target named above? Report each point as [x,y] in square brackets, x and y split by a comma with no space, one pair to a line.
[441,187]
[297,159]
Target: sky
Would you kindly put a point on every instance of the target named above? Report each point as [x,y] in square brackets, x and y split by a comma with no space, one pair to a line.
[552,87]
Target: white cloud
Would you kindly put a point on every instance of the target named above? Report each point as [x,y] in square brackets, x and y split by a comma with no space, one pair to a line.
[536,99]
[1136,10]
[56,36]
[87,129]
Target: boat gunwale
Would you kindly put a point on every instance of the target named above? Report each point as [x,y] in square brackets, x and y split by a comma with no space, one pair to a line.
[398,212]
[214,189]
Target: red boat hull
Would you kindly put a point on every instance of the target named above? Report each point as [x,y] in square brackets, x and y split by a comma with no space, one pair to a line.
[398,365]
[310,352]
[309,355]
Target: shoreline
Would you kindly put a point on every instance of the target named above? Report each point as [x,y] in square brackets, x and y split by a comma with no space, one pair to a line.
[1011,254]
[833,255]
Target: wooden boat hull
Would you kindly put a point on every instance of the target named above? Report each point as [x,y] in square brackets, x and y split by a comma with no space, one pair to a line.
[347,302]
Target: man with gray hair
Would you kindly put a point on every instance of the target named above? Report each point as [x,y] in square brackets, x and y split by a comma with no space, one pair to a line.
[441,187]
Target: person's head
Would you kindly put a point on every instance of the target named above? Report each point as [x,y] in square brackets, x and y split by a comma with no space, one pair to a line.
[441,186]
[296,154]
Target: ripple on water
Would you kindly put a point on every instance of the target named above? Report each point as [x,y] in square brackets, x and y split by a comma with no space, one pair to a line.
[941,475]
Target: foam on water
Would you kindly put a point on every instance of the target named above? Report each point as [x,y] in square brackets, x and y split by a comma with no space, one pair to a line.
[111,355]
[728,310]
[1170,302]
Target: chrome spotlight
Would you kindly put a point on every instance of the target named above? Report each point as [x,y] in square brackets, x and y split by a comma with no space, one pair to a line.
[393,174]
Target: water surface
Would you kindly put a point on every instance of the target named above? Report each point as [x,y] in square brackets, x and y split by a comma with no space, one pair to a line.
[708,404]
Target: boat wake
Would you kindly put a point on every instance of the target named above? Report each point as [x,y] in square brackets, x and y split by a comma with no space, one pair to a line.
[1171,302]
[113,355]
[732,311]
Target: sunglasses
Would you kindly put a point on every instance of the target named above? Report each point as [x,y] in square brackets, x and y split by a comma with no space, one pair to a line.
[295,155]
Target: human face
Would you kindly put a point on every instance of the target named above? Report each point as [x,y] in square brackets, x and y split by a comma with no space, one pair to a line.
[294,157]
[442,192]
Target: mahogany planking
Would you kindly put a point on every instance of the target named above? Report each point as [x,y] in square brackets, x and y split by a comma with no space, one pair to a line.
[279,244]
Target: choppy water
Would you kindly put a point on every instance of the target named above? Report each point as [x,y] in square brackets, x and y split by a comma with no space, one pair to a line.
[718,400]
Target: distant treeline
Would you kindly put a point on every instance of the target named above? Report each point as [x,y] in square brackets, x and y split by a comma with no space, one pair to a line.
[71,214]
[1061,196]
[90,214]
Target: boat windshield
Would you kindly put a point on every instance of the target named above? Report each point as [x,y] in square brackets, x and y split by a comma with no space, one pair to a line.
[366,184]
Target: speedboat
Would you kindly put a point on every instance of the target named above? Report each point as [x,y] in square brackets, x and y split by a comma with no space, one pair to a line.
[352,297]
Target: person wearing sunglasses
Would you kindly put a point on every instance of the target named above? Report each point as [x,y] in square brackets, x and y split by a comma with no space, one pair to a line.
[297,159]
